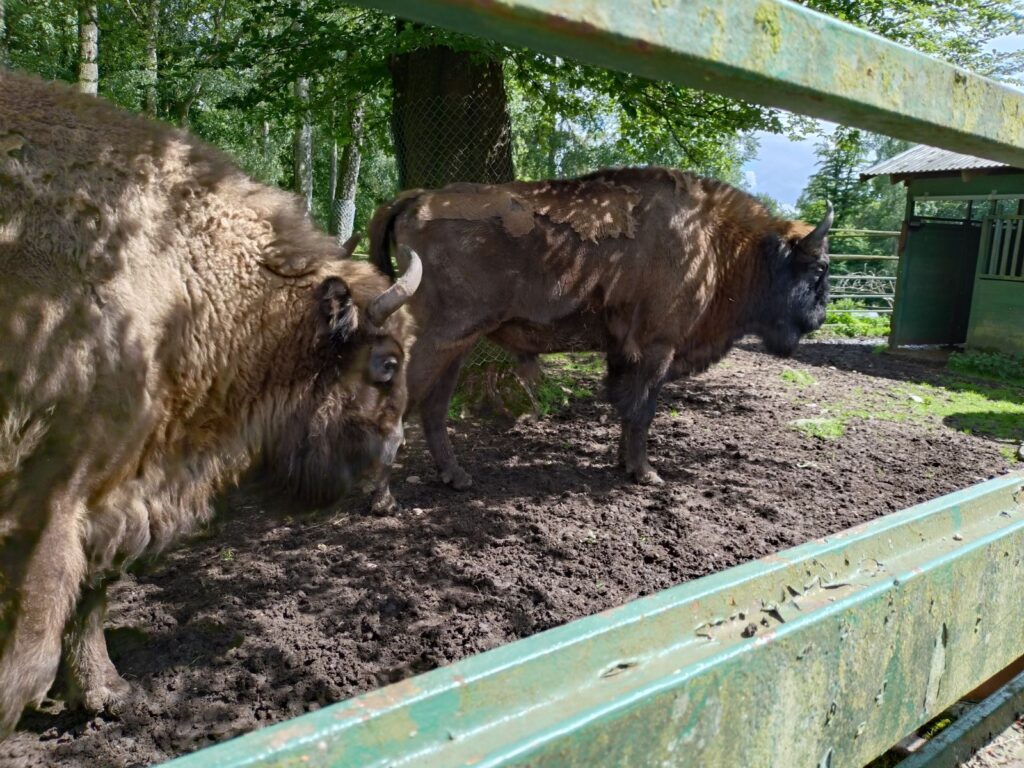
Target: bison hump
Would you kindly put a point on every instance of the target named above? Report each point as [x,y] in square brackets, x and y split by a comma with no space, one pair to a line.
[595,209]
[479,204]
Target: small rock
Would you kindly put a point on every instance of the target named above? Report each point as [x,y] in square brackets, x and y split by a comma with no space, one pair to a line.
[916,398]
[749,631]
[417,511]
[413,480]
[1020,452]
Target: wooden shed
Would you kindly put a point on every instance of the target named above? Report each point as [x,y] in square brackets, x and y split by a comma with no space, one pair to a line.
[961,271]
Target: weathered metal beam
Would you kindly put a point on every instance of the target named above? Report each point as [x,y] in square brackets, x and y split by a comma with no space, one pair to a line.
[955,745]
[767,52]
[825,654]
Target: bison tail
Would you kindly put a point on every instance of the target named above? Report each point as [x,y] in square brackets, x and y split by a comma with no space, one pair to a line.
[382,234]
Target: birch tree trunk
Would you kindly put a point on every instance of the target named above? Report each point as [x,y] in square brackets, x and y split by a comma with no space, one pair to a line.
[88,47]
[3,37]
[152,34]
[303,154]
[351,158]
[332,185]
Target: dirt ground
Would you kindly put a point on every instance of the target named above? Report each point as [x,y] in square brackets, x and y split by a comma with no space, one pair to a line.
[274,613]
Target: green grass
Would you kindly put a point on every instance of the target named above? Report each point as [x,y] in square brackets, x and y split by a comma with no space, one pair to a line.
[798,378]
[991,410]
[823,428]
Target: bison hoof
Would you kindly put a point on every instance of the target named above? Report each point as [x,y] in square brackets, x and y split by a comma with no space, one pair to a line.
[107,698]
[646,476]
[383,503]
[457,478]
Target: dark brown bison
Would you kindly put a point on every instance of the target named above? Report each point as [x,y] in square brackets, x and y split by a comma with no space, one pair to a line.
[662,270]
[164,321]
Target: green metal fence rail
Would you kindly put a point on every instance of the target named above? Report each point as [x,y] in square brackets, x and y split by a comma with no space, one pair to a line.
[768,52]
[825,654]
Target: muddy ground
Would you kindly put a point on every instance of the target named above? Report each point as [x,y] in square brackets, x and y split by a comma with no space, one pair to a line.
[274,613]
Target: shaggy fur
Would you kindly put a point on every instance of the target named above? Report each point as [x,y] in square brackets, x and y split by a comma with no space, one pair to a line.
[164,320]
[662,270]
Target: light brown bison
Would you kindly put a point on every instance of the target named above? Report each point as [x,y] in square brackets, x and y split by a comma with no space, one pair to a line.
[164,321]
[662,270]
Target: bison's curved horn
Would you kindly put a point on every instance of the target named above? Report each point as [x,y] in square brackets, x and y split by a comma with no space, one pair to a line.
[813,240]
[399,293]
[350,245]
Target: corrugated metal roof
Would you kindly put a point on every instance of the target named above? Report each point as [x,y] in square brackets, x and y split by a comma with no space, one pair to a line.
[924,159]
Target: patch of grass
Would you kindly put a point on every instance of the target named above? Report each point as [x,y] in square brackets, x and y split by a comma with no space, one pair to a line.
[993,411]
[798,378]
[823,428]
[497,389]
[1010,454]
[992,365]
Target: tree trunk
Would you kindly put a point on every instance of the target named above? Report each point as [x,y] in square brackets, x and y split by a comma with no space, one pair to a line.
[185,107]
[3,37]
[344,209]
[88,47]
[265,138]
[152,34]
[303,147]
[449,118]
[332,185]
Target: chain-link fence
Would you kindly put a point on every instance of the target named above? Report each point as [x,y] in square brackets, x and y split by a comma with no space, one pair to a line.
[456,137]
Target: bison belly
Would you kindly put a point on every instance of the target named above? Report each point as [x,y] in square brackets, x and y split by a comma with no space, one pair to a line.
[579,332]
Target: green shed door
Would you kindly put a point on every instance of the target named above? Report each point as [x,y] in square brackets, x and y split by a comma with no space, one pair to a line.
[935,283]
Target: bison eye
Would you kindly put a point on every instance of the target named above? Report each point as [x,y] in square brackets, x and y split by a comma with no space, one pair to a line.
[382,369]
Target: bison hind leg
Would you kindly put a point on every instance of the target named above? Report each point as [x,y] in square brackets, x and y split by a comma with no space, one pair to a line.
[92,681]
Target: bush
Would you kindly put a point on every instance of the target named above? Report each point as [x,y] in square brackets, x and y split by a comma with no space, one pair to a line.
[992,365]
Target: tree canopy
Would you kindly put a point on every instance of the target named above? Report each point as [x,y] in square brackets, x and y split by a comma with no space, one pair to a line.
[227,68]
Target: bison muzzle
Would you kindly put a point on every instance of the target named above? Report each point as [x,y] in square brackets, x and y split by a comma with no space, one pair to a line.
[662,270]
[165,321]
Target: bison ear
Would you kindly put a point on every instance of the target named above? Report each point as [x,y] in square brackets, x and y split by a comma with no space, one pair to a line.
[338,313]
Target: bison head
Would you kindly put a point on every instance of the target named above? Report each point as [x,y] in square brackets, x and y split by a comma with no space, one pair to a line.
[349,422]
[793,298]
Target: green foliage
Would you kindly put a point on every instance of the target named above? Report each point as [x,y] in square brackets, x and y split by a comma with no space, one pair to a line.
[843,321]
[993,365]
[226,69]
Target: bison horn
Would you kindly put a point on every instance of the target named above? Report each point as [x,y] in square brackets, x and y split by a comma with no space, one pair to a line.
[350,245]
[384,305]
[813,240]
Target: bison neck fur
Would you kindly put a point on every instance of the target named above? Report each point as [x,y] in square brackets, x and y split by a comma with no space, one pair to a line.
[661,270]
[165,321]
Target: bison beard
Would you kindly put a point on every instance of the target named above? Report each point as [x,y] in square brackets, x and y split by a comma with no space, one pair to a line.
[165,321]
[661,270]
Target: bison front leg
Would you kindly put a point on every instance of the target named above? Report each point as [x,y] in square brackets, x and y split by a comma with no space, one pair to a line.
[92,681]
[43,567]
[633,388]
[434,413]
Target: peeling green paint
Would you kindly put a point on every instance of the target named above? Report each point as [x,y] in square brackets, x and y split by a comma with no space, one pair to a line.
[767,18]
[857,639]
